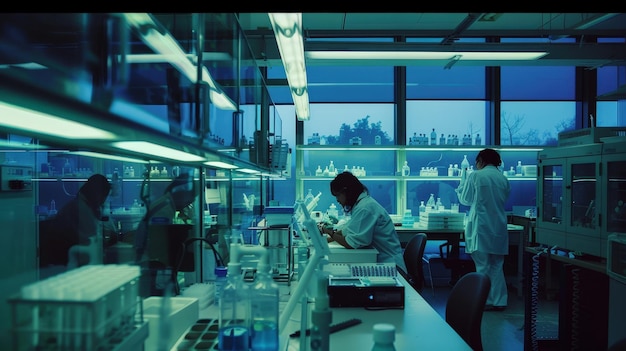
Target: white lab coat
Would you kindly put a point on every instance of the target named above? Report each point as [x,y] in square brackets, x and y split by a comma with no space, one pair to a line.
[371,226]
[486,191]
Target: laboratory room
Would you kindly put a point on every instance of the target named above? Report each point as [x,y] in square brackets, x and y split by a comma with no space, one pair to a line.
[313,181]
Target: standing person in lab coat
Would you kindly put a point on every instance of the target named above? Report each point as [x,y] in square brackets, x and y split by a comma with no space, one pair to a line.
[369,226]
[486,190]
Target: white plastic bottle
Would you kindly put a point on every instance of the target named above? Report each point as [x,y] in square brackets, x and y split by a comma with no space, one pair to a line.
[422,207]
[450,171]
[384,335]
[439,205]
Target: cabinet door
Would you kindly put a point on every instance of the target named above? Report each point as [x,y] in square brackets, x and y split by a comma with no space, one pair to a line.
[615,186]
[583,195]
[550,194]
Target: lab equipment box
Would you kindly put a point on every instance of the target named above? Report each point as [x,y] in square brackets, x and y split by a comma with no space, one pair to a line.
[581,195]
[95,307]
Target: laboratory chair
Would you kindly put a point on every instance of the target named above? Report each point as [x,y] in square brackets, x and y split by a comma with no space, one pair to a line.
[465,305]
[455,258]
[413,253]
[427,257]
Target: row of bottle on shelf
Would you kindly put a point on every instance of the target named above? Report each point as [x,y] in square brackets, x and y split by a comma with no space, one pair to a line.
[453,170]
[453,139]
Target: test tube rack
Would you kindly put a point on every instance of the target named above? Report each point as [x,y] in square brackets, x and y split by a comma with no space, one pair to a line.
[94,307]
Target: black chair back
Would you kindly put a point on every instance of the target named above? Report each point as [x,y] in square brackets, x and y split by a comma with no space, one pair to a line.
[413,253]
[465,306]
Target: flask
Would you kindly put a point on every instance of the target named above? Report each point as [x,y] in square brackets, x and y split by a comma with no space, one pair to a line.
[406,170]
[220,281]
[234,315]
[430,204]
[264,311]
[384,334]
[433,137]
[518,169]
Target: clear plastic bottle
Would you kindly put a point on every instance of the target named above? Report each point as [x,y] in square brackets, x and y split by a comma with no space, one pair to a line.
[234,315]
[220,281]
[384,334]
[264,311]
[406,170]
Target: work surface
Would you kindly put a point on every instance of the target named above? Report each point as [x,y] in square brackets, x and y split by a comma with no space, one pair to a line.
[418,325]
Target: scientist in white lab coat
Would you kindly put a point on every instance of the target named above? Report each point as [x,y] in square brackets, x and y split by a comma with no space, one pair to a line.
[486,191]
[369,226]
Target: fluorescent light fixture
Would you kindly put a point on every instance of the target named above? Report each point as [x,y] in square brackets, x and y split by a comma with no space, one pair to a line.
[248,170]
[25,65]
[168,48]
[39,122]
[147,148]
[219,164]
[424,55]
[108,157]
[288,32]
[159,58]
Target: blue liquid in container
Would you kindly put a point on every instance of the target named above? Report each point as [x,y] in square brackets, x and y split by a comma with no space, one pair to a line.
[234,338]
[264,336]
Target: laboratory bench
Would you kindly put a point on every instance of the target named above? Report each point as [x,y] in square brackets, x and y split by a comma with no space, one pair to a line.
[418,325]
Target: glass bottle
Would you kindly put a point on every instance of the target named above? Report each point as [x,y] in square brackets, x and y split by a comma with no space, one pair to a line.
[264,311]
[465,163]
[433,137]
[478,141]
[439,205]
[518,168]
[319,172]
[422,207]
[406,170]
[430,204]
[384,334]
[331,169]
[234,315]
[442,139]
[332,211]
[450,171]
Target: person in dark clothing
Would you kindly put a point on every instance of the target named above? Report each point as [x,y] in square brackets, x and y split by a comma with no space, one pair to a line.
[64,239]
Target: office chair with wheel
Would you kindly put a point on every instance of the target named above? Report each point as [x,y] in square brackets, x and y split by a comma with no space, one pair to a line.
[465,305]
[413,253]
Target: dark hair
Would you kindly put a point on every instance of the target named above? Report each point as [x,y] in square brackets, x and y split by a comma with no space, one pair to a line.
[95,191]
[489,157]
[346,183]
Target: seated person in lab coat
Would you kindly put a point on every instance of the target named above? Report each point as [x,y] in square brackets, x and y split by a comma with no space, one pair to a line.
[369,226]
[74,237]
